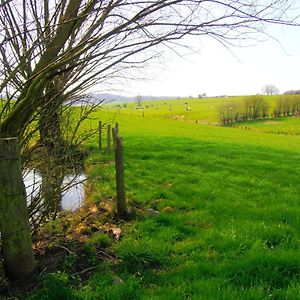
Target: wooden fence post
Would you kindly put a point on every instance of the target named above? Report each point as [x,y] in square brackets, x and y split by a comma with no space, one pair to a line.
[115,133]
[108,140]
[100,135]
[17,250]
[120,183]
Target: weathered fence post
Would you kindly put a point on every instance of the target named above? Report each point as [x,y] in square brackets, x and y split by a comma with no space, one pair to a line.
[115,132]
[120,183]
[100,135]
[108,140]
[17,250]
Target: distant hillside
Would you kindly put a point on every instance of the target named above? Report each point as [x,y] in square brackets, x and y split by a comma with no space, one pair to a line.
[119,98]
[292,92]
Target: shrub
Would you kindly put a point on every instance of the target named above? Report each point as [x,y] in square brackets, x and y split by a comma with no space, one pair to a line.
[252,108]
[287,106]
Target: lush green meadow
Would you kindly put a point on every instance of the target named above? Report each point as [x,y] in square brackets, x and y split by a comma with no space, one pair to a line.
[203,110]
[228,200]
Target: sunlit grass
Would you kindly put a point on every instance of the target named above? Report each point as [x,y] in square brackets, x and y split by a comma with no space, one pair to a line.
[228,201]
[203,110]
[228,217]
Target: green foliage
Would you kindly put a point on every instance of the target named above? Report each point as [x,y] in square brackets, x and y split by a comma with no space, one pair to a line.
[275,270]
[251,108]
[144,255]
[54,287]
[103,286]
[91,253]
[101,240]
[67,263]
[287,106]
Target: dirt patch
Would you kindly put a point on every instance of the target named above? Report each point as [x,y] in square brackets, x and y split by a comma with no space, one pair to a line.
[76,243]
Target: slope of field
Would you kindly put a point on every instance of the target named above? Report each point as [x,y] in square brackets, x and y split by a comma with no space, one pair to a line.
[286,125]
[201,110]
[228,199]
[204,110]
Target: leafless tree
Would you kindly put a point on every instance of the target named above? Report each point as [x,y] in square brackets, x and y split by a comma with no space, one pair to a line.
[270,89]
[53,51]
[138,100]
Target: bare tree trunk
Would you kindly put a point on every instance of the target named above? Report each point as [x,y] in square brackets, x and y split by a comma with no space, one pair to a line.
[54,147]
[50,131]
[50,120]
[17,250]
[51,188]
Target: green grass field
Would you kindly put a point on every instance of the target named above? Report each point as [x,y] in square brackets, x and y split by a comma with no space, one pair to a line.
[201,110]
[204,110]
[228,201]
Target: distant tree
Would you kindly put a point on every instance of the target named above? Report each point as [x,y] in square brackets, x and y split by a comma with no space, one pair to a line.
[229,113]
[292,92]
[287,106]
[251,108]
[259,107]
[270,89]
[138,100]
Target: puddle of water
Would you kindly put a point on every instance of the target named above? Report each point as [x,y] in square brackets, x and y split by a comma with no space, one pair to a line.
[72,198]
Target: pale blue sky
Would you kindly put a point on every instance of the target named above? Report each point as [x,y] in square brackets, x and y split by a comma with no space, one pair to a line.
[215,71]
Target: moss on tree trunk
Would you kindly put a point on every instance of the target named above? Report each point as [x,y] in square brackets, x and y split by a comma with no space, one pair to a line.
[17,250]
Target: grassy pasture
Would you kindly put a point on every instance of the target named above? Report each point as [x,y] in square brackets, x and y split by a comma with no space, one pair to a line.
[229,204]
[204,110]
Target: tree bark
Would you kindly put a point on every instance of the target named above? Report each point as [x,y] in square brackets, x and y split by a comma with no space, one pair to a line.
[50,121]
[54,147]
[17,249]
[52,173]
